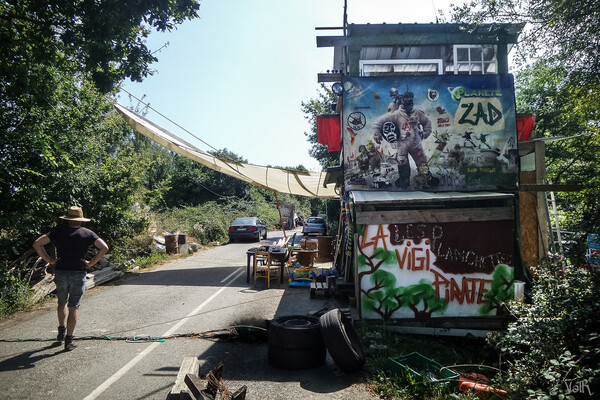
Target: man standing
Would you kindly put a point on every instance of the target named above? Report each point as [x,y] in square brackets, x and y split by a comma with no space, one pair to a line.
[72,242]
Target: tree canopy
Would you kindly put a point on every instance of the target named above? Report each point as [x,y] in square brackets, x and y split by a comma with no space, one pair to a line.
[567,31]
[312,108]
[105,40]
[62,142]
[557,79]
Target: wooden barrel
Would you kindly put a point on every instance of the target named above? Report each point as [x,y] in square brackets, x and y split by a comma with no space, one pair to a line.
[325,248]
[306,258]
[171,244]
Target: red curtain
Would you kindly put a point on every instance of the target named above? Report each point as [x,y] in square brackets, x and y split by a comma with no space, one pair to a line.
[329,131]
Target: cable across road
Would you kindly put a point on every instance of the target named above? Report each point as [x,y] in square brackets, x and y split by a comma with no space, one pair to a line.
[229,333]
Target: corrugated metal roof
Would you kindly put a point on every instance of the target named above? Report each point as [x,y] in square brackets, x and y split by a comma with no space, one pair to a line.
[374,197]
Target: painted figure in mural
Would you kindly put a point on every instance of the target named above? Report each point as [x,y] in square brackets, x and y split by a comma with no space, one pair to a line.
[403,128]
[456,155]
[363,158]
[483,140]
[467,137]
[374,156]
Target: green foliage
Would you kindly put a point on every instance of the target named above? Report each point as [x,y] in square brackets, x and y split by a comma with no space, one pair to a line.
[210,221]
[565,30]
[501,290]
[14,293]
[554,345]
[447,351]
[313,108]
[103,40]
[564,106]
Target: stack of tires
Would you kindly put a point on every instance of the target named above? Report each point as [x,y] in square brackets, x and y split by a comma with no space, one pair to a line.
[295,342]
[300,342]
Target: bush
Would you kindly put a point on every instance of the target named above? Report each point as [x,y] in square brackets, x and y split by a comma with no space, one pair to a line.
[553,349]
[14,293]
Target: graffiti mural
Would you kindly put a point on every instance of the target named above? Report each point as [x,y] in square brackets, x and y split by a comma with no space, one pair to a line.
[436,133]
[434,270]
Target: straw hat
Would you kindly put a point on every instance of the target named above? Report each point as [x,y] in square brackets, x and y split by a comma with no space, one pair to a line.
[75,214]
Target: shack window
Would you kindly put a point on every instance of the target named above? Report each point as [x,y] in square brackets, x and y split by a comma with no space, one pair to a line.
[475,59]
[400,67]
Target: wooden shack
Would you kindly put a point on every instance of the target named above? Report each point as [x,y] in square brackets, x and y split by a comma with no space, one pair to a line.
[429,172]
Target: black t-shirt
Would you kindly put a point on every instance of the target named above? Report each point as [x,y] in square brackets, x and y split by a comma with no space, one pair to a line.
[71,246]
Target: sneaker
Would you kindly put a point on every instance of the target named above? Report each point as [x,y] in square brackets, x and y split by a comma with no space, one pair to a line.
[62,330]
[69,343]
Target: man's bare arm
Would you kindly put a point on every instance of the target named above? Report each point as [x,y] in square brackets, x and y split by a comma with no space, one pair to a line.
[38,246]
[102,250]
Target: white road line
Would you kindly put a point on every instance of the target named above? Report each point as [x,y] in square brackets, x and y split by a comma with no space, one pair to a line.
[234,272]
[100,389]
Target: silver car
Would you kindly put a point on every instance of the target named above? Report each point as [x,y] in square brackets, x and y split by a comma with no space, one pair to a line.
[315,225]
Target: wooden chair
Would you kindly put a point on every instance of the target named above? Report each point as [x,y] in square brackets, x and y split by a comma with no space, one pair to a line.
[264,268]
[290,262]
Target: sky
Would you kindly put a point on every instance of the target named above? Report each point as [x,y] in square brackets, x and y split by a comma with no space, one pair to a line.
[236,77]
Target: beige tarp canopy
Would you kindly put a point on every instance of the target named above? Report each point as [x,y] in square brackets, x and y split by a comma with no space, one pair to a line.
[277,179]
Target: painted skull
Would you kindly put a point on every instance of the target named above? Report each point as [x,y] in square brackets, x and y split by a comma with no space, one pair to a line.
[389,132]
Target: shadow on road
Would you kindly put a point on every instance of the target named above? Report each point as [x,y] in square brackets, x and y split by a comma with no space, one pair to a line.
[27,359]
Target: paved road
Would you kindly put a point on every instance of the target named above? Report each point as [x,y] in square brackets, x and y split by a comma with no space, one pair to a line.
[204,292]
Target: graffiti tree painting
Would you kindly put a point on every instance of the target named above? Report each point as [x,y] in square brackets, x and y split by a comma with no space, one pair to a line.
[501,290]
[433,270]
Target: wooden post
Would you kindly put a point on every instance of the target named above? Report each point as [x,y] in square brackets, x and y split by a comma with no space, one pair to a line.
[280,218]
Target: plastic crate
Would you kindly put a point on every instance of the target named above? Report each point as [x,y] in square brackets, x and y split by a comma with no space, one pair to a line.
[421,367]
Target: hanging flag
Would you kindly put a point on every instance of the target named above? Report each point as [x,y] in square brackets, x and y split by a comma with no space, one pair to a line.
[525,124]
[329,131]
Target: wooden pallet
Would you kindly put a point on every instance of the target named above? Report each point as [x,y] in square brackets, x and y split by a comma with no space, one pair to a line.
[320,287]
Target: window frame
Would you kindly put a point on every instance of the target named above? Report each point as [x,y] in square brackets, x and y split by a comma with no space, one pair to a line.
[395,61]
[470,63]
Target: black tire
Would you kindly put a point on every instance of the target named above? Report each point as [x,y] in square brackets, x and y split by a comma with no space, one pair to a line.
[258,237]
[295,342]
[265,236]
[342,341]
[296,358]
[295,332]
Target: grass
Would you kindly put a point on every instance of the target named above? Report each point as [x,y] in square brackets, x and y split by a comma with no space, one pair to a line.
[472,354]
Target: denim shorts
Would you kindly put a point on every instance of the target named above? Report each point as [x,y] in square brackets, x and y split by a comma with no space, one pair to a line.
[70,285]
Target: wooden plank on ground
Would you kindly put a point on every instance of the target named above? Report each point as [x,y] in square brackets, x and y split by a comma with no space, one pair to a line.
[43,288]
[99,277]
[195,386]
[190,365]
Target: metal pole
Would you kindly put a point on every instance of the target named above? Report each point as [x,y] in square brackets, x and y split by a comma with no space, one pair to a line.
[280,218]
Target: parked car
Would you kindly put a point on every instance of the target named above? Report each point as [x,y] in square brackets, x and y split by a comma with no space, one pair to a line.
[247,228]
[314,225]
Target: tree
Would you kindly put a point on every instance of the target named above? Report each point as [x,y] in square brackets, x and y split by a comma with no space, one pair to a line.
[558,80]
[313,108]
[567,104]
[57,128]
[105,40]
[565,31]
